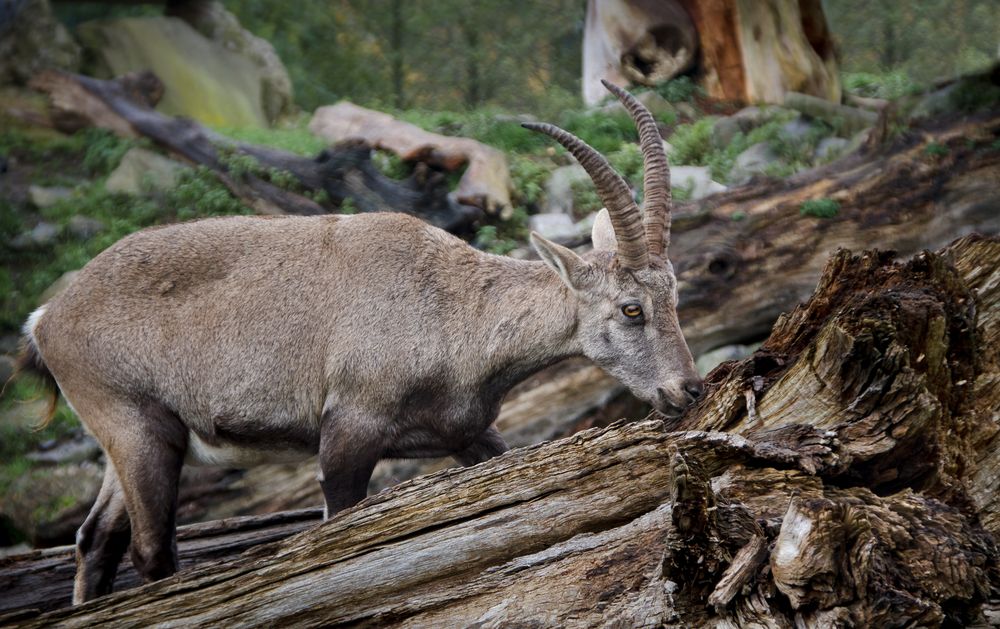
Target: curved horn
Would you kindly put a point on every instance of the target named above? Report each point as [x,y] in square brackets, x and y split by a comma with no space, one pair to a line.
[657,203]
[614,193]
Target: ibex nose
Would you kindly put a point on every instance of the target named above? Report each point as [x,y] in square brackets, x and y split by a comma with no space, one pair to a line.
[694,389]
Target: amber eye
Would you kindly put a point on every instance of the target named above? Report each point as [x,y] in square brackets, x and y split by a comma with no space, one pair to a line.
[632,311]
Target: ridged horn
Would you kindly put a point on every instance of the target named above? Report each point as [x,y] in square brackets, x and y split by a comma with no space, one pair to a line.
[614,193]
[657,203]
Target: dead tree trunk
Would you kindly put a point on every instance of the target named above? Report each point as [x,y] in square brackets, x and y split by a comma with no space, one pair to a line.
[268,180]
[854,485]
[747,50]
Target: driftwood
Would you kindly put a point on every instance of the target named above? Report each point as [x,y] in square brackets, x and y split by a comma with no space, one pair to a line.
[268,180]
[485,183]
[859,492]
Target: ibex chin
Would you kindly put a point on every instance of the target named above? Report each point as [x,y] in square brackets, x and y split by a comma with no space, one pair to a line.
[234,341]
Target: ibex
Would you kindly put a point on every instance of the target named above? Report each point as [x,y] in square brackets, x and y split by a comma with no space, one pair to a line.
[239,340]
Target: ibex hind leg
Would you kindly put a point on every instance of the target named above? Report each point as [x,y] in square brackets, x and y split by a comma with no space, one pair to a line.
[349,447]
[148,452]
[101,541]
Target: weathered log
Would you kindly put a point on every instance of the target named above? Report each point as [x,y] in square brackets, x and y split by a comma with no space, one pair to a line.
[485,183]
[635,525]
[268,180]
[42,580]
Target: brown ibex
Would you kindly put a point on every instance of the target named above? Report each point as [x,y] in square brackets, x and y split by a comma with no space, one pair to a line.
[239,340]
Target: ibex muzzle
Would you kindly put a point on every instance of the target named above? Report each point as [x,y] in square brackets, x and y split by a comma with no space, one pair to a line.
[239,340]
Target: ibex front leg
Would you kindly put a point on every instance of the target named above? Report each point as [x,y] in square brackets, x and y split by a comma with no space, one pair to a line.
[349,447]
[486,446]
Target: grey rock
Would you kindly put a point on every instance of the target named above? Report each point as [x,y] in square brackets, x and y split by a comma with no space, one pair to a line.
[77,450]
[656,104]
[753,161]
[712,359]
[41,236]
[935,103]
[686,110]
[84,227]
[10,343]
[696,180]
[668,148]
[744,121]
[830,148]
[559,188]
[42,197]
[33,40]
[6,368]
[558,227]
[58,286]
[141,170]
[796,130]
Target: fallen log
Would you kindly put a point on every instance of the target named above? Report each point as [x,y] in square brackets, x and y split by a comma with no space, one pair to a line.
[485,183]
[848,499]
[268,180]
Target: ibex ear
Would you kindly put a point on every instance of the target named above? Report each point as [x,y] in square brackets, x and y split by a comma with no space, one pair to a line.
[603,233]
[570,267]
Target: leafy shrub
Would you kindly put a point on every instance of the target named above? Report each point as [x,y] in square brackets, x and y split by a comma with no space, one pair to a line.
[679,89]
[889,85]
[692,143]
[820,208]
[936,149]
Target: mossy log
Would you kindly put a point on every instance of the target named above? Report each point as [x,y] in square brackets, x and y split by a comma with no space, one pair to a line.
[268,180]
[844,475]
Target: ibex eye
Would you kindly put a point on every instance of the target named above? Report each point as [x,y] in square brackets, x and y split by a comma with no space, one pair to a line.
[632,311]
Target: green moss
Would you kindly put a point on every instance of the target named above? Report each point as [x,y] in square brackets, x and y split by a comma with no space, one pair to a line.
[820,208]
[391,165]
[935,149]
[297,139]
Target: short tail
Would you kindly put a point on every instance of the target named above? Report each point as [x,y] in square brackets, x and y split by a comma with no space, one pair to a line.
[29,360]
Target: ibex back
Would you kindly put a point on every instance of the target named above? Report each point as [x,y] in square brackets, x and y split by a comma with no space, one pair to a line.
[239,340]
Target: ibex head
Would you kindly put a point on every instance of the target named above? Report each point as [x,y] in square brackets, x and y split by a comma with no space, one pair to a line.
[626,287]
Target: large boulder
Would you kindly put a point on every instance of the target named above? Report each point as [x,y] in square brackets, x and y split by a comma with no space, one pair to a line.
[141,170]
[202,78]
[753,161]
[559,188]
[212,20]
[695,181]
[31,40]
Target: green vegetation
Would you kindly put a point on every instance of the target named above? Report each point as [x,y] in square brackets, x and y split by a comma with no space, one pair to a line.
[935,149]
[820,208]
[680,89]
[890,85]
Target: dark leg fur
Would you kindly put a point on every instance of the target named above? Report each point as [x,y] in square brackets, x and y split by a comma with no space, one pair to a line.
[486,446]
[101,541]
[150,467]
[346,460]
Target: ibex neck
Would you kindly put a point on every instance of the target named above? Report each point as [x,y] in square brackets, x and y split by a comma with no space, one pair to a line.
[528,319]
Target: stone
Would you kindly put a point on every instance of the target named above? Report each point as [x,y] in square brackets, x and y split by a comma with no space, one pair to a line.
[58,286]
[81,448]
[84,227]
[42,235]
[712,359]
[142,170]
[557,227]
[42,197]
[10,343]
[212,20]
[559,189]
[696,181]
[725,129]
[796,130]
[935,103]
[6,368]
[668,148]
[202,79]
[830,149]
[33,40]
[753,161]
